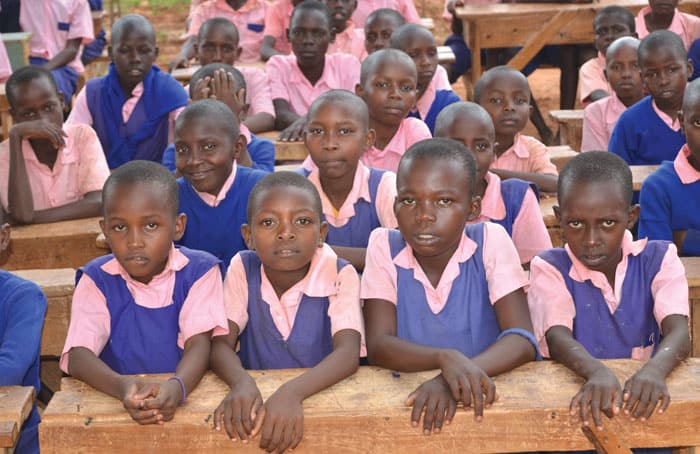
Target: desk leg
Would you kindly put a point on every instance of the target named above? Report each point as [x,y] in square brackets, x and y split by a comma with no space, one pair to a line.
[605,442]
[538,40]
[473,39]
[694,324]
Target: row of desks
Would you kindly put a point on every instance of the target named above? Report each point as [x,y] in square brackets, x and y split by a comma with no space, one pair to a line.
[15,406]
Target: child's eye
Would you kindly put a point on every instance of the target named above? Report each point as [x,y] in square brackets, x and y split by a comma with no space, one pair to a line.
[575,224]
[444,202]
[151,226]
[609,223]
[304,221]
[408,201]
[386,35]
[481,146]
[180,149]
[345,131]
[495,100]
[49,108]
[696,123]
[267,222]
[521,101]
[315,131]
[209,146]
[382,85]
[119,227]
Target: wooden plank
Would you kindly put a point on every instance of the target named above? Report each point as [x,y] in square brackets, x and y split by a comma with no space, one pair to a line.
[560,155]
[184,75]
[5,117]
[570,126]
[427,22]
[446,55]
[532,411]
[66,244]
[550,221]
[286,151]
[692,273]
[17,46]
[15,406]
[605,442]
[639,174]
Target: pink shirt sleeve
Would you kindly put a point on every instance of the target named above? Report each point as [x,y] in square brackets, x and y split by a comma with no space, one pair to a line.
[277,72]
[591,78]
[350,72]
[93,170]
[594,129]
[275,20]
[172,117]
[344,308]
[197,18]
[379,276]
[501,263]
[80,114]
[81,25]
[417,131]
[409,12]
[5,67]
[539,161]
[386,194]
[258,93]
[529,232]
[670,287]
[203,310]
[236,293]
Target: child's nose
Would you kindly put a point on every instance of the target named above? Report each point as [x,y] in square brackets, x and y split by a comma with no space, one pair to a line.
[286,232]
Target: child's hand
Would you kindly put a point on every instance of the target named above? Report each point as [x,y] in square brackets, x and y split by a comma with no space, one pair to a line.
[643,392]
[202,89]
[238,411]
[282,419]
[40,129]
[468,383]
[600,393]
[135,395]
[224,89]
[166,400]
[435,398]
[294,132]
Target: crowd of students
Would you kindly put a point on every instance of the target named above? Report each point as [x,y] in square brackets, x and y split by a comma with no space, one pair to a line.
[410,238]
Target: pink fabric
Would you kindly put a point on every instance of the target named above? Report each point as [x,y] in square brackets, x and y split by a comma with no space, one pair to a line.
[365,7]
[203,310]
[80,168]
[438,82]
[447,16]
[503,271]
[349,41]
[323,279]
[686,172]
[213,201]
[277,19]
[551,303]
[599,120]
[411,130]
[591,78]
[673,123]
[526,155]
[386,193]
[257,91]
[251,13]
[5,67]
[684,25]
[529,232]
[287,82]
[42,18]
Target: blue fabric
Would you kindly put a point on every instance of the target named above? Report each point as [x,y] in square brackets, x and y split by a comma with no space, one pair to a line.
[467,322]
[667,205]
[161,95]
[527,335]
[513,192]
[95,5]
[66,78]
[217,230]
[9,19]
[443,98]
[463,56]
[22,310]
[94,50]
[262,345]
[143,340]
[694,56]
[640,137]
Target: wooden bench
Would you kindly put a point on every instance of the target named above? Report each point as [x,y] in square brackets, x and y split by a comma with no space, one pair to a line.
[445,55]
[286,151]
[366,412]
[550,221]
[570,126]
[560,155]
[639,174]
[692,273]
[15,406]
[17,45]
[184,75]
[5,117]
[427,22]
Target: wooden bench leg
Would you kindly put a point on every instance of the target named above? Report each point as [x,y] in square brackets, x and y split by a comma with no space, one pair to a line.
[605,441]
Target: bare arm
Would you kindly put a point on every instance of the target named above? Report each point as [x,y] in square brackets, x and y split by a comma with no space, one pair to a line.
[66,56]
[89,368]
[260,122]
[597,94]
[186,54]
[90,205]
[545,182]
[267,49]
[283,114]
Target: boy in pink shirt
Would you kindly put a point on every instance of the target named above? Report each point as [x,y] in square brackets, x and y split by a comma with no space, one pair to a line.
[277,18]
[505,94]
[147,308]
[611,23]
[379,27]
[406,8]
[511,203]
[663,15]
[607,296]
[5,67]
[349,37]
[388,86]
[48,172]
[622,72]
[296,80]
[292,303]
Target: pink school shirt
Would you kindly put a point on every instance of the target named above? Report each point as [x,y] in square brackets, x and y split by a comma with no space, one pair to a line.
[684,25]
[277,19]
[384,201]
[5,67]
[349,41]
[551,304]
[501,263]
[340,71]
[215,200]
[53,23]
[599,120]
[529,232]
[591,78]
[438,82]
[203,309]
[686,172]
[672,123]
[80,168]
[249,20]
[323,280]
[526,155]
[257,91]
[365,7]
[411,130]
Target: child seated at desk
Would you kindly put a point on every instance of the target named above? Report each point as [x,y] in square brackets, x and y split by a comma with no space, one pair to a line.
[622,73]
[611,23]
[434,90]
[5,66]
[607,296]
[388,86]
[355,199]
[147,308]
[292,303]
[505,94]
[133,108]
[512,203]
[213,188]
[349,37]
[277,19]
[670,196]
[438,295]
[22,309]
[48,171]
[650,132]
[379,27]
[664,15]
[296,80]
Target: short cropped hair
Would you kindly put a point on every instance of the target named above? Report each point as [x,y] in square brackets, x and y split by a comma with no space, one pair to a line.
[143,172]
[210,69]
[620,43]
[615,10]
[312,5]
[596,167]
[214,22]
[460,110]
[441,149]
[386,12]
[214,109]
[343,98]
[283,179]
[24,75]
[661,39]
[129,23]
[401,34]
[488,77]
[691,96]
[373,60]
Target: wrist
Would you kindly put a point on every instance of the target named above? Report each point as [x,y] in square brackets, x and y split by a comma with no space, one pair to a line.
[179,386]
[445,357]
[291,390]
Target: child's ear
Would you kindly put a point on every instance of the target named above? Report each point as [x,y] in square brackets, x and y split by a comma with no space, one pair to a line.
[557,213]
[247,236]
[239,49]
[156,51]
[690,68]
[680,120]
[238,146]
[632,216]
[475,208]
[370,138]
[61,99]
[324,233]
[286,33]
[605,73]
[4,237]
[359,91]
[180,225]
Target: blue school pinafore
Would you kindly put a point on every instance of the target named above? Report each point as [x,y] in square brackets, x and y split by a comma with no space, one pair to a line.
[513,192]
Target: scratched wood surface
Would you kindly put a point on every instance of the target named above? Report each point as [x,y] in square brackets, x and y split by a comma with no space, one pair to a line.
[15,405]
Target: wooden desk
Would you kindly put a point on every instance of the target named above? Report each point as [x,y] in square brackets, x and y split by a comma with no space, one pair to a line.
[17,45]
[639,174]
[15,405]
[185,74]
[286,151]
[66,244]
[534,25]
[560,155]
[692,272]
[366,412]
[570,126]
[5,117]
[445,55]
[550,221]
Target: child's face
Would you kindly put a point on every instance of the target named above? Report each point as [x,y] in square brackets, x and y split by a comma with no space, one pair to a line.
[218,46]
[593,218]
[507,100]
[665,74]
[204,153]
[341,10]
[622,71]
[607,29]
[37,100]
[133,54]
[432,206]
[423,51]
[390,92]
[310,34]
[336,136]
[140,229]
[663,7]
[285,230]
[690,121]
[378,33]
[478,136]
